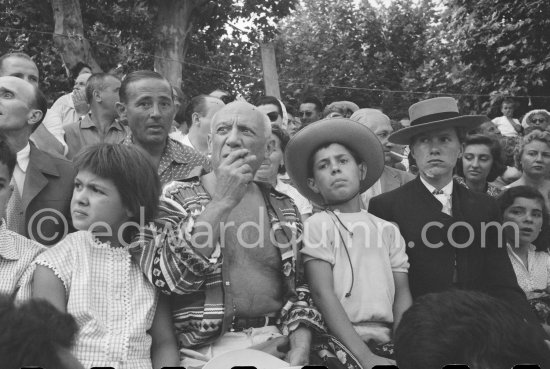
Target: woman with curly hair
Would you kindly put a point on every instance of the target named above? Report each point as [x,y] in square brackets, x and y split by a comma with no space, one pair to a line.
[481,163]
[533,159]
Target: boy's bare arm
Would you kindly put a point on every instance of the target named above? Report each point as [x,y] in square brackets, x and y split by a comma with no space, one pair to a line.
[403,298]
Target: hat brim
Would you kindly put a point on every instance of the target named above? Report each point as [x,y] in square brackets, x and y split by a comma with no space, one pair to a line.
[404,136]
[349,133]
[246,357]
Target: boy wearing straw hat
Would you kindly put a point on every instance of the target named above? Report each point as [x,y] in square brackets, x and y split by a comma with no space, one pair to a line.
[355,263]
[451,232]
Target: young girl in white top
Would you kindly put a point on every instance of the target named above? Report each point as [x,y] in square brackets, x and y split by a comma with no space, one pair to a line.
[523,213]
[90,274]
[355,262]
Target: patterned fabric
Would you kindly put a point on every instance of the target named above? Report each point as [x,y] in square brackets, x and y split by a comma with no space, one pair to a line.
[16,256]
[537,277]
[166,255]
[107,294]
[491,190]
[177,160]
[335,355]
[15,215]
[541,307]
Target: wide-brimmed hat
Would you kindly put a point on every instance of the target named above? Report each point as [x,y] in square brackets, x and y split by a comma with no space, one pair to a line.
[247,357]
[351,134]
[436,113]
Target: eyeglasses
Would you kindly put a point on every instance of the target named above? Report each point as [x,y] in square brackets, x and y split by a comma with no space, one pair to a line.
[273,116]
[538,120]
[306,114]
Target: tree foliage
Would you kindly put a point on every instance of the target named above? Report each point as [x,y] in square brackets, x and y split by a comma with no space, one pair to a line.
[368,50]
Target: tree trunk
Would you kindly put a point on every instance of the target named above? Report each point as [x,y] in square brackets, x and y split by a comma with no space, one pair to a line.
[69,34]
[173,24]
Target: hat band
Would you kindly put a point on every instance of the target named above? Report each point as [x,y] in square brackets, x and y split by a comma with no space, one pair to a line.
[434,117]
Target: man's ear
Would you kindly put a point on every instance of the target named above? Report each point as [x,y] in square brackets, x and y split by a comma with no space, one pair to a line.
[121,110]
[269,147]
[362,171]
[195,121]
[209,141]
[312,185]
[34,117]
[96,95]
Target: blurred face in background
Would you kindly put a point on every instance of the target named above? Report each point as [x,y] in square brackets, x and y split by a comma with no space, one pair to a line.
[539,121]
[294,125]
[477,162]
[507,109]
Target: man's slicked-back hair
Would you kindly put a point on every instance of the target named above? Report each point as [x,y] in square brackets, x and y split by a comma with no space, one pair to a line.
[139,75]
[13,55]
[97,81]
[132,173]
[310,99]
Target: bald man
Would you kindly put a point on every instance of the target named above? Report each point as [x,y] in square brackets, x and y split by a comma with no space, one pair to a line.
[391,178]
[233,267]
[39,205]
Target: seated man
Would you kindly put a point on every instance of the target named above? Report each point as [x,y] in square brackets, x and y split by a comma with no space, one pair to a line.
[228,252]
[469,328]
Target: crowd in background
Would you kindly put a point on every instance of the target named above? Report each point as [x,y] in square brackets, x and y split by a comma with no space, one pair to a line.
[126,150]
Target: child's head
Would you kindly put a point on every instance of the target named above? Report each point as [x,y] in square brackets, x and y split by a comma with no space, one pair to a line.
[7,164]
[335,172]
[114,184]
[333,160]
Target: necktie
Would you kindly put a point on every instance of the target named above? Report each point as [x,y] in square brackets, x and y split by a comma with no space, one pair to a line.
[444,199]
[15,218]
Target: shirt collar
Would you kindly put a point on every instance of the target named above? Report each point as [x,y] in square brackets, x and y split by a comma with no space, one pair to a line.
[23,157]
[7,249]
[87,122]
[447,190]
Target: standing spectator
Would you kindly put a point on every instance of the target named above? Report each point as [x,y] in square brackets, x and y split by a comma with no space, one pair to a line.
[101,123]
[146,103]
[198,118]
[69,107]
[39,205]
[507,124]
[340,109]
[311,110]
